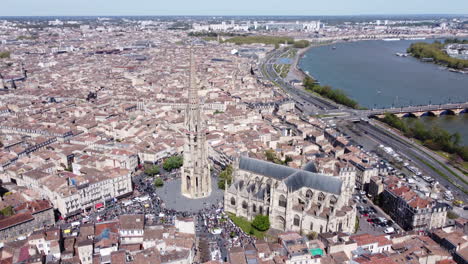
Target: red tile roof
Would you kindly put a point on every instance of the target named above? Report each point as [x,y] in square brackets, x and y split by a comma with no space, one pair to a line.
[15,220]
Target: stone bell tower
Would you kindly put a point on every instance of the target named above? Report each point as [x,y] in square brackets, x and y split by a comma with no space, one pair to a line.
[196,179]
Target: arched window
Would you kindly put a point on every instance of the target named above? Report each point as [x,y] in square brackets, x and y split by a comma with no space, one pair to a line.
[254,208]
[282,201]
[309,194]
[261,209]
[244,205]
[188,183]
[297,220]
[321,197]
[311,226]
[233,201]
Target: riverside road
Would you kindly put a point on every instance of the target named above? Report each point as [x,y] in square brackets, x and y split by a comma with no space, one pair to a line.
[310,104]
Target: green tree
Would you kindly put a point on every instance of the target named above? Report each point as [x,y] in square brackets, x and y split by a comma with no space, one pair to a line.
[452,215]
[173,162]
[5,55]
[335,95]
[270,155]
[158,182]
[7,211]
[436,52]
[153,170]
[225,176]
[356,225]
[434,137]
[300,44]
[261,222]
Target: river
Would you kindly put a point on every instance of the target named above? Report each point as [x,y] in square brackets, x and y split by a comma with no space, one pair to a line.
[371,73]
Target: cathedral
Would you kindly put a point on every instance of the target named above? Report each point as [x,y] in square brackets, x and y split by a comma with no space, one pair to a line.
[196,178]
[299,200]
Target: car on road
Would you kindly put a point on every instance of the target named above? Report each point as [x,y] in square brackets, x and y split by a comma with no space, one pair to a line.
[370,220]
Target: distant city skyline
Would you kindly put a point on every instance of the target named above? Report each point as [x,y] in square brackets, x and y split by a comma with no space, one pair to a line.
[238,7]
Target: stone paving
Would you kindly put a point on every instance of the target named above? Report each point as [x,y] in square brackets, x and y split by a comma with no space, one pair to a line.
[173,199]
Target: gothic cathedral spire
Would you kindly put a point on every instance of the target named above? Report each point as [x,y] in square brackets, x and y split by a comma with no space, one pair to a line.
[196,179]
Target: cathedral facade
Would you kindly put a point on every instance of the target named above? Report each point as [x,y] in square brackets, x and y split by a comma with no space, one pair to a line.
[295,200]
[196,178]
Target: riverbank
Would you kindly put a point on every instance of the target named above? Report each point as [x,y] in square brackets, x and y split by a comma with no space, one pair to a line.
[434,52]
[434,138]
[371,74]
[295,70]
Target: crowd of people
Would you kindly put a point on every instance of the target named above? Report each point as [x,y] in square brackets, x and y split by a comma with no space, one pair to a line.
[211,222]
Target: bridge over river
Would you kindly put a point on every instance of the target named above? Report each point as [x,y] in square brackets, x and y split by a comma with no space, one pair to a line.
[408,111]
[418,111]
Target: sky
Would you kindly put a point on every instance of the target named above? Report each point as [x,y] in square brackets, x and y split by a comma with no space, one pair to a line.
[228,7]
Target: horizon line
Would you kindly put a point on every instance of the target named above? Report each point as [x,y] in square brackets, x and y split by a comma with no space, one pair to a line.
[277,15]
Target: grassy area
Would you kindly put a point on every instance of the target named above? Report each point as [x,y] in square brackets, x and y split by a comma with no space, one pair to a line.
[447,156]
[442,154]
[291,54]
[461,165]
[210,38]
[268,40]
[465,166]
[443,175]
[282,69]
[246,226]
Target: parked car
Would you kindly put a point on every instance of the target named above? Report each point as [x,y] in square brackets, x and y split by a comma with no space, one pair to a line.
[389,230]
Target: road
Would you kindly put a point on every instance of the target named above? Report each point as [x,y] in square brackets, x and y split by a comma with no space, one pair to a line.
[310,104]
[306,102]
[416,155]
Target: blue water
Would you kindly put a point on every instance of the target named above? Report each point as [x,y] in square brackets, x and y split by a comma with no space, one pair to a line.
[370,73]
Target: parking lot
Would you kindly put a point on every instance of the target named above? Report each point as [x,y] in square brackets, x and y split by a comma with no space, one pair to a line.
[372,219]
